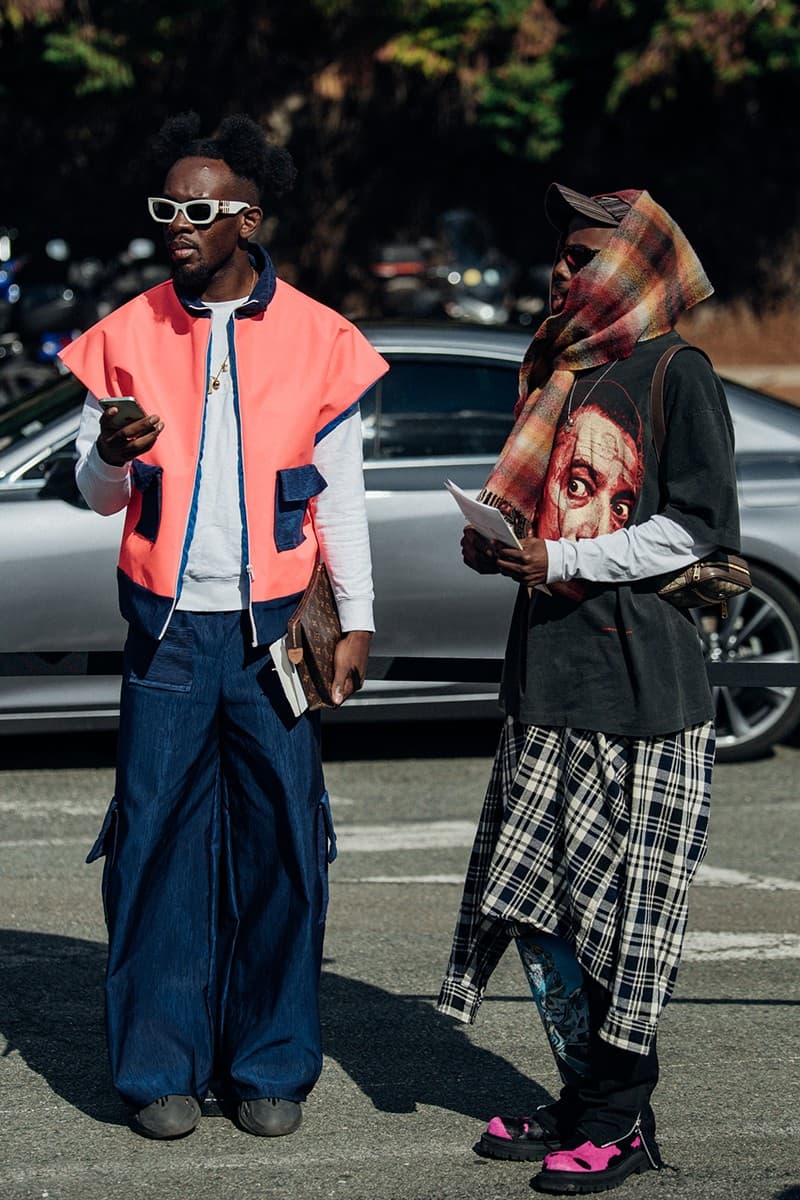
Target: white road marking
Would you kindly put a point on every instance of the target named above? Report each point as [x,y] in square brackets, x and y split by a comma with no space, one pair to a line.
[34,843]
[34,809]
[723,877]
[718,947]
[423,880]
[28,809]
[700,946]
[372,838]
[406,835]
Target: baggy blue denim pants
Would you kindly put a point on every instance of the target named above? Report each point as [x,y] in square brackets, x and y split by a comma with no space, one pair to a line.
[217,846]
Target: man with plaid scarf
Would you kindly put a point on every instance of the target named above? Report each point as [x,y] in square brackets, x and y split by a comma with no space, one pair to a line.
[595,819]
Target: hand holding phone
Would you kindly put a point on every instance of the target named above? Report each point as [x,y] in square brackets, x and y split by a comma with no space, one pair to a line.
[128,410]
[126,431]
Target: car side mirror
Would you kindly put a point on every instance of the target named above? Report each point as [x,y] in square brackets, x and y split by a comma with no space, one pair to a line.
[60,482]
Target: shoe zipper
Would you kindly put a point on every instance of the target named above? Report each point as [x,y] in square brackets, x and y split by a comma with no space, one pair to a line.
[637,1129]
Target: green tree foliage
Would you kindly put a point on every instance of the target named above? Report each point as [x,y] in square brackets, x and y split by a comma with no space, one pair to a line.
[395,109]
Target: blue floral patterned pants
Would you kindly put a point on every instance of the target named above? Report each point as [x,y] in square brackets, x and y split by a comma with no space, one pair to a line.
[557,985]
[607,1090]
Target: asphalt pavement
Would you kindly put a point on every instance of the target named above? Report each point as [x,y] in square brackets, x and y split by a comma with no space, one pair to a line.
[404,1092]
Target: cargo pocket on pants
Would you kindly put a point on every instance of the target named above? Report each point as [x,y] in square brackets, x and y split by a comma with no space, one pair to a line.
[326,849]
[105,846]
[167,665]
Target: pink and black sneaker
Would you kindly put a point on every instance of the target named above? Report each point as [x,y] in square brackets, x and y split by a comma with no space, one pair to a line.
[520,1139]
[589,1168]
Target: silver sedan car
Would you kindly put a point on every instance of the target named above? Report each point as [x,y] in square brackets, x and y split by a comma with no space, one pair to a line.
[442,412]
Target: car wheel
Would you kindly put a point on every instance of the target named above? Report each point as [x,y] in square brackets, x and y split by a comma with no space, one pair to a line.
[763,625]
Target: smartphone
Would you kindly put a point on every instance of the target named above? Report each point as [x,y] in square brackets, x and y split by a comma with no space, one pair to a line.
[129,410]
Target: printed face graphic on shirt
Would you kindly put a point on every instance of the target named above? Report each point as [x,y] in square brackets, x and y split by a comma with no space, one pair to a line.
[595,472]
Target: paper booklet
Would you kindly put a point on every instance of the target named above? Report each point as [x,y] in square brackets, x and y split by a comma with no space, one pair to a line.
[484,517]
[489,521]
[288,675]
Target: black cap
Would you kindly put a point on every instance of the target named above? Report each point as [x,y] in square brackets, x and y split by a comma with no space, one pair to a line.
[562,205]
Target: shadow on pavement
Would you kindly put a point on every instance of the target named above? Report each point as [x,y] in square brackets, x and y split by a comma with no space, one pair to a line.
[51,1014]
[402,1053]
[340,743]
[396,1049]
[410,739]
[55,751]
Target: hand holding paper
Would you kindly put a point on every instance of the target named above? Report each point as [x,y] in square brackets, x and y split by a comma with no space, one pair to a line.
[526,564]
[488,521]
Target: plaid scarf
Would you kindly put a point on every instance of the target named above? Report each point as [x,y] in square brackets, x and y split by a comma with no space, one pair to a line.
[633,290]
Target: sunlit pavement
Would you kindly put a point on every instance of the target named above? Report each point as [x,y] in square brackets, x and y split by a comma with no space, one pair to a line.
[404,1091]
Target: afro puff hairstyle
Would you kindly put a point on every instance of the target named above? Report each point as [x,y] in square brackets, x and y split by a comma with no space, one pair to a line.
[239,142]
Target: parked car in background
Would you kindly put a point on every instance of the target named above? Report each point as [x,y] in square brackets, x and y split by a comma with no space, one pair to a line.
[442,412]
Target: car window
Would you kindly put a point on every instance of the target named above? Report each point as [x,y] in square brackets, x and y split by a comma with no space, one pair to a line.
[42,468]
[25,418]
[369,429]
[440,409]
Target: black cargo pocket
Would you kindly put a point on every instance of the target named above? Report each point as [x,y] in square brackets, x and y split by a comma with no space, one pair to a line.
[326,849]
[147,479]
[293,490]
[166,665]
[105,846]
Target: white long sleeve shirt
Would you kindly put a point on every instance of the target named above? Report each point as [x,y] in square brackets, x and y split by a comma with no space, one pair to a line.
[655,547]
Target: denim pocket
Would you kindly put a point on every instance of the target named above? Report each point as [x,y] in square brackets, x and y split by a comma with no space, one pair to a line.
[147,479]
[107,835]
[166,665]
[105,846]
[294,488]
[326,849]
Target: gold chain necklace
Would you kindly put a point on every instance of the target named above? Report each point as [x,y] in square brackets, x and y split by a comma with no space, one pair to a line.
[570,421]
[216,381]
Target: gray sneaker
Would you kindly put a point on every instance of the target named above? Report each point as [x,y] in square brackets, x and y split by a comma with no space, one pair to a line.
[167,1117]
[270,1116]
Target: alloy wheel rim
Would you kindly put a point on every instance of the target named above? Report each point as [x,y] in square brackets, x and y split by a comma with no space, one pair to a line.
[756,629]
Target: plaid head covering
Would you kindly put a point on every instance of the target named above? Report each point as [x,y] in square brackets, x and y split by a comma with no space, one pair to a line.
[633,290]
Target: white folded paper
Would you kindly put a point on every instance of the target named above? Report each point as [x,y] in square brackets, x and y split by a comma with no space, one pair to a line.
[288,675]
[484,517]
[489,521]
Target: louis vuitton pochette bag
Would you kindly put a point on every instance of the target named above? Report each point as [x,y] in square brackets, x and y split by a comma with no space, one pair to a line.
[312,635]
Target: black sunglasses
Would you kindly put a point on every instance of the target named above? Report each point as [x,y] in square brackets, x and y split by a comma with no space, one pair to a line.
[575,255]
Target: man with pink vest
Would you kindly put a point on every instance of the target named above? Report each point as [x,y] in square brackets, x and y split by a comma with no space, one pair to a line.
[247,468]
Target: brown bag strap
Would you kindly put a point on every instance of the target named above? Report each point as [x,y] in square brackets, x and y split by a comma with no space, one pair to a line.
[657,419]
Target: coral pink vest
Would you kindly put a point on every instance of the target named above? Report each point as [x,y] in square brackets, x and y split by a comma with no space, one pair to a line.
[296,367]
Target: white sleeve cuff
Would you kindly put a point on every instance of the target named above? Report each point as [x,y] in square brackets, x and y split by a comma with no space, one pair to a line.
[103,470]
[356,614]
[555,560]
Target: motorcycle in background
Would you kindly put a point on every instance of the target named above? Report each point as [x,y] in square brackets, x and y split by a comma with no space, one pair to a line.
[461,275]
[402,269]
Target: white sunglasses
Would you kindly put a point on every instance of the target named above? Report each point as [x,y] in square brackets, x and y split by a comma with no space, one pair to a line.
[196,212]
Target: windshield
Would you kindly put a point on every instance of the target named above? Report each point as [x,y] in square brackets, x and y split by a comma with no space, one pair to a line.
[25,418]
